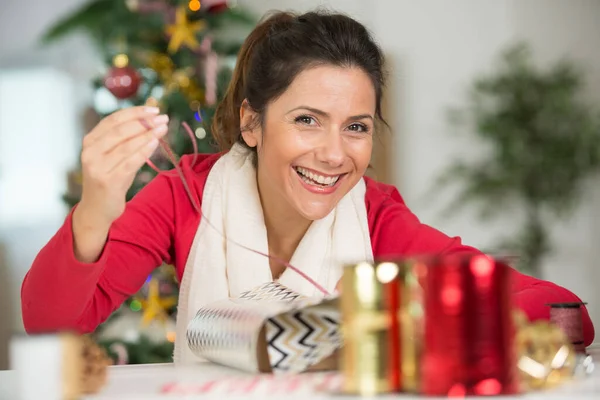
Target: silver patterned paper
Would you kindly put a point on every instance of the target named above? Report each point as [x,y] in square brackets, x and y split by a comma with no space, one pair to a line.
[227,332]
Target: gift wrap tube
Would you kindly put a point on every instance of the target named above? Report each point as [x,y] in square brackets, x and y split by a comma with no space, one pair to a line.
[382,309]
[468,344]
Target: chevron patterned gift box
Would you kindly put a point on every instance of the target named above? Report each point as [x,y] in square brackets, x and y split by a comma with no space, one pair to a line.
[267,329]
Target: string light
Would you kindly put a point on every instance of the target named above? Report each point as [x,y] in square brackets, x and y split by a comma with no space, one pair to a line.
[135,305]
[194,5]
[200,133]
[171,336]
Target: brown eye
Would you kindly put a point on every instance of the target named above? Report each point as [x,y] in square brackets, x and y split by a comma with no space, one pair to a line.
[305,119]
[358,128]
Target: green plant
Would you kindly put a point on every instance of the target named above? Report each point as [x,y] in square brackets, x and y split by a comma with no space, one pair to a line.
[544,143]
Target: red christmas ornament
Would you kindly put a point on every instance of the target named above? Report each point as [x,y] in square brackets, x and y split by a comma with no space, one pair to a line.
[215,6]
[122,82]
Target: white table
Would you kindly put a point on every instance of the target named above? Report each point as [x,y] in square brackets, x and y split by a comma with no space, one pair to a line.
[147,381]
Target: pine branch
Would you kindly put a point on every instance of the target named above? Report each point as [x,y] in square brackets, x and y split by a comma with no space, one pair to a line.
[89,17]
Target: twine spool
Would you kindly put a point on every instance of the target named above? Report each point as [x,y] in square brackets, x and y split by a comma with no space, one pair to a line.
[567,316]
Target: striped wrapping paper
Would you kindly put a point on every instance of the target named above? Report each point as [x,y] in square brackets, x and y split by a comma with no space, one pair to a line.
[267,329]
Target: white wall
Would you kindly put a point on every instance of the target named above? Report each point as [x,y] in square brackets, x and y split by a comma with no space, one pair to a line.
[558,28]
[435,47]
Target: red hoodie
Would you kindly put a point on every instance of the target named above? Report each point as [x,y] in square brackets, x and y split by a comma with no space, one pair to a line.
[159,225]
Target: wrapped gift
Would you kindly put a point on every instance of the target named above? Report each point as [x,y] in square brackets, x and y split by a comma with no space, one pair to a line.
[267,329]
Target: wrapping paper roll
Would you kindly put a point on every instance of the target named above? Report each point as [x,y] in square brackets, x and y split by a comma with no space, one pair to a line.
[469,330]
[269,328]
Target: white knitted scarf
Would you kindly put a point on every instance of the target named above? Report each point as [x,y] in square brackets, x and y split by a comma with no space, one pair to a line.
[217,269]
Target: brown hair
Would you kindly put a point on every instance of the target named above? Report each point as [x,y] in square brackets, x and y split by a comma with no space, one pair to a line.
[281,46]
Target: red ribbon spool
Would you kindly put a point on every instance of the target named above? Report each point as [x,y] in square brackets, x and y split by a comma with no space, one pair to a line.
[469,330]
[567,316]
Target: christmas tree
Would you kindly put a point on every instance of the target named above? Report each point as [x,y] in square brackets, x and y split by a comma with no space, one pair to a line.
[181,53]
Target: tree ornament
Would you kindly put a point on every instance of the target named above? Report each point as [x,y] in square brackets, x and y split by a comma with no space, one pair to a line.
[147,6]
[217,6]
[183,32]
[162,64]
[200,133]
[132,5]
[155,307]
[181,80]
[122,80]
[194,5]
[211,65]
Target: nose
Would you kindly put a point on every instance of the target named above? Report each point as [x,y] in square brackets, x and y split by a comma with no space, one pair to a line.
[331,150]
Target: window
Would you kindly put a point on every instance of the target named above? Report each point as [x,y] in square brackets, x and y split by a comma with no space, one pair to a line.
[39,143]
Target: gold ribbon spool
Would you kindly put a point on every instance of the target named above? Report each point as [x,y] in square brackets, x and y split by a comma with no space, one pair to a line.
[364,356]
[366,322]
[412,273]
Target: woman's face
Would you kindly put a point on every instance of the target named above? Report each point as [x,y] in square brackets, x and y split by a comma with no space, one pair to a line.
[315,141]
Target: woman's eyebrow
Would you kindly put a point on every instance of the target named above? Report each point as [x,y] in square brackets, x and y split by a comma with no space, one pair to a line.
[325,114]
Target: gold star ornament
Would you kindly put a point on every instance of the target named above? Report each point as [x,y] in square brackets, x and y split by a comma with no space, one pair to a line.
[183,32]
[155,307]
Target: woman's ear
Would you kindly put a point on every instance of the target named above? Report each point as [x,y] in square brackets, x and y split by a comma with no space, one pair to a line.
[248,118]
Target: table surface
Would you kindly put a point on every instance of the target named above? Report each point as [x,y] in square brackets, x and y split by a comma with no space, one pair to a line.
[207,380]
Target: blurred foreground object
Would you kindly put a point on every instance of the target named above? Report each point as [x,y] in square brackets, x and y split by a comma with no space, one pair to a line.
[269,329]
[58,367]
[446,326]
[546,358]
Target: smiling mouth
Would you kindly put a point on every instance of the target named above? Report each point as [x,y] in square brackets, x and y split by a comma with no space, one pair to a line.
[315,179]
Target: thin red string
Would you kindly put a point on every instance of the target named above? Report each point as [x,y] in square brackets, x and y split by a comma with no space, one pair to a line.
[173,158]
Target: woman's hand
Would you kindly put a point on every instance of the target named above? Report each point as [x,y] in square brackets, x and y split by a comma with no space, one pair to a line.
[112,154]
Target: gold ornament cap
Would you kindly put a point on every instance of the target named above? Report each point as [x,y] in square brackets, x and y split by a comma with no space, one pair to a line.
[121,60]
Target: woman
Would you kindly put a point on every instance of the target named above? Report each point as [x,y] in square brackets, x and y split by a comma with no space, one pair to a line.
[295,129]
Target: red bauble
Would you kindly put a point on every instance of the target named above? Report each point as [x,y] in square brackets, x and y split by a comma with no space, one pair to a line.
[123,82]
[215,6]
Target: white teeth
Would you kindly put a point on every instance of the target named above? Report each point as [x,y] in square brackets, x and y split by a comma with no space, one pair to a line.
[323,180]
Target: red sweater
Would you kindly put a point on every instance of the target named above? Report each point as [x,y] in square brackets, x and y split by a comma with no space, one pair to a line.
[159,225]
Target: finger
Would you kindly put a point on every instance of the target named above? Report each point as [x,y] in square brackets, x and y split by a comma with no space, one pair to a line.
[120,117]
[111,160]
[122,133]
[338,287]
[128,167]
[105,154]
